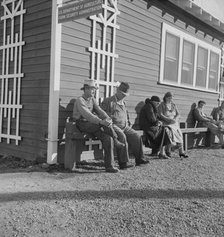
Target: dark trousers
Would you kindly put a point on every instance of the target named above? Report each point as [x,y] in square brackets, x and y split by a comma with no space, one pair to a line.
[105,138]
[129,137]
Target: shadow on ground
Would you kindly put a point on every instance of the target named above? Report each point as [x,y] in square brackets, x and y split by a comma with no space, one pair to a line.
[113,194]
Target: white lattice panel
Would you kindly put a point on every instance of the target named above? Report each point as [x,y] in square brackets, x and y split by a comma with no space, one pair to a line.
[11,74]
[103,47]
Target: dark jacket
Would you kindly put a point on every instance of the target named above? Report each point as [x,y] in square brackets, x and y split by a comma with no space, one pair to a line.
[148,116]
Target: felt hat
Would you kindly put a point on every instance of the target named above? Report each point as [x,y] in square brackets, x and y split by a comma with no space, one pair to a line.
[168,94]
[124,88]
[155,98]
[89,83]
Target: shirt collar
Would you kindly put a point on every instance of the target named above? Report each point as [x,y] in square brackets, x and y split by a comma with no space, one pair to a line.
[85,98]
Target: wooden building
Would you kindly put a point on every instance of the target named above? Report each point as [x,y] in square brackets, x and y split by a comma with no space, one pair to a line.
[155,45]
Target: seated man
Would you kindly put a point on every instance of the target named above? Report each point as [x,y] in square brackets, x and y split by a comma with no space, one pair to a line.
[205,121]
[218,115]
[116,109]
[92,119]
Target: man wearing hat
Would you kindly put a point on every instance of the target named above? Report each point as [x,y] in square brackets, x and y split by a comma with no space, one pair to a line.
[92,119]
[206,121]
[116,109]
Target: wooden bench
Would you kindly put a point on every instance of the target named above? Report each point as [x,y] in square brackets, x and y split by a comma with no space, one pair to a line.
[186,131]
[196,130]
[75,144]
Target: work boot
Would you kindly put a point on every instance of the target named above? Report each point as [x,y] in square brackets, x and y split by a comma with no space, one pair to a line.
[125,165]
[141,162]
[112,170]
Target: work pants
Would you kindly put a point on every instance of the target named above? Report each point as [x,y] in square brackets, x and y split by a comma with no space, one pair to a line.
[130,138]
[107,142]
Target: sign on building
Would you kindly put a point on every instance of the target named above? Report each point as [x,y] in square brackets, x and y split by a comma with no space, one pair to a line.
[79,9]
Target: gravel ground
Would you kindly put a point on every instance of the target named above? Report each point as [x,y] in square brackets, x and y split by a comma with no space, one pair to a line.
[163,198]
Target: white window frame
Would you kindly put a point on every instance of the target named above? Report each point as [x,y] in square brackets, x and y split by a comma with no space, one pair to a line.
[197,42]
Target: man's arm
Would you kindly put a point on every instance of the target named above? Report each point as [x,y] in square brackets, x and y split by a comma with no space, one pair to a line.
[150,115]
[100,112]
[199,117]
[84,111]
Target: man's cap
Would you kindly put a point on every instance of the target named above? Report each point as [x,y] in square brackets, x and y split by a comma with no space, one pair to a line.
[124,88]
[89,83]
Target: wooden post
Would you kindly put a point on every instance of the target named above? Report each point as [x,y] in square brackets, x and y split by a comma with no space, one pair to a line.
[74,145]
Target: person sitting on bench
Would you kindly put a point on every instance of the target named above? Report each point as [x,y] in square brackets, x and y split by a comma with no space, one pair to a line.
[206,121]
[170,115]
[156,134]
[90,118]
[115,107]
[218,115]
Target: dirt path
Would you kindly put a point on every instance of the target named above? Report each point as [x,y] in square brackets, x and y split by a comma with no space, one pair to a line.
[164,198]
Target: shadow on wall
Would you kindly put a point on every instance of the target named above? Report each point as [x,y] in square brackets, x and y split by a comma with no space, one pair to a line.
[137,110]
[190,117]
[64,114]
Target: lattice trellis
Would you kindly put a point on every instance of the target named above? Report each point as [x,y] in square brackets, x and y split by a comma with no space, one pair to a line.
[103,54]
[11,75]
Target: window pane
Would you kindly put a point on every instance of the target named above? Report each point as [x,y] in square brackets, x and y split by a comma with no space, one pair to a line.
[213,71]
[188,63]
[201,67]
[171,58]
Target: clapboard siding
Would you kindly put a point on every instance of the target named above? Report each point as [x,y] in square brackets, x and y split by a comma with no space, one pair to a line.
[141,29]
[138,44]
[35,84]
[75,65]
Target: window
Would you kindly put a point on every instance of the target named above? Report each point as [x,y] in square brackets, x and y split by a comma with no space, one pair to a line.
[201,74]
[187,70]
[171,58]
[188,62]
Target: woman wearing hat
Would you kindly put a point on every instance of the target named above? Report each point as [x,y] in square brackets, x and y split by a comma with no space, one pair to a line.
[155,133]
[169,114]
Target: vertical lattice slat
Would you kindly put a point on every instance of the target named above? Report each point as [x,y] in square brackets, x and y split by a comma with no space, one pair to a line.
[11,69]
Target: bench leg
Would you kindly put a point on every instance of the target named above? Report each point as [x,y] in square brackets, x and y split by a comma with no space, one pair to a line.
[208,139]
[73,151]
[185,142]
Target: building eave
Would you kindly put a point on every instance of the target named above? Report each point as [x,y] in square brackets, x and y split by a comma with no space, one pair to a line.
[199,13]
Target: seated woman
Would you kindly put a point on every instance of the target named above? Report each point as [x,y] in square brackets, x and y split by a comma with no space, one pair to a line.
[169,114]
[156,134]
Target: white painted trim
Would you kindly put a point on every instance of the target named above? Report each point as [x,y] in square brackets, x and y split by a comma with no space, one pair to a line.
[197,42]
[55,65]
